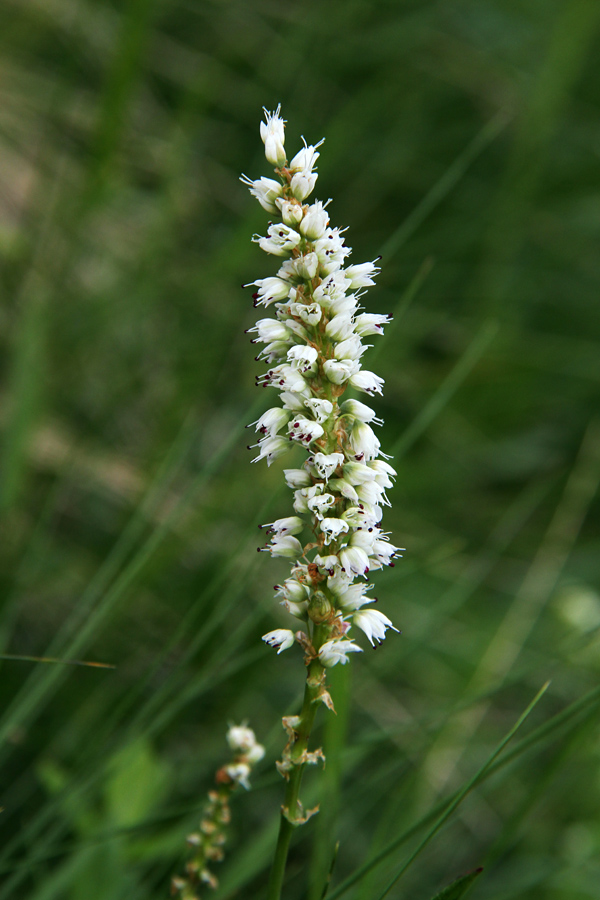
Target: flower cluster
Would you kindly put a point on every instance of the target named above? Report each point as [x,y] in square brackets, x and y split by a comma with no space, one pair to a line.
[207,843]
[313,349]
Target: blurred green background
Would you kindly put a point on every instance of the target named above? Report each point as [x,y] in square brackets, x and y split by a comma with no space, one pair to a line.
[462,143]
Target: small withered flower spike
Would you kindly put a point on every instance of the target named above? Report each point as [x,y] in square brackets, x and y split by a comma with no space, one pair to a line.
[314,348]
[206,843]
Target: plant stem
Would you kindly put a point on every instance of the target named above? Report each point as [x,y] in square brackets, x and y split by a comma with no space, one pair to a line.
[290,809]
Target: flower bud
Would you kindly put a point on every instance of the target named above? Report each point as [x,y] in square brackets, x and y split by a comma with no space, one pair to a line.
[319,607]
[297,478]
[298,610]
[293,591]
[306,267]
[291,211]
[272,132]
[302,184]
[240,738]
[315,222]
[340,327]
[338,371]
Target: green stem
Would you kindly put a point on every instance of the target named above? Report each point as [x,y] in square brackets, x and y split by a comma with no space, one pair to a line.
[290,808]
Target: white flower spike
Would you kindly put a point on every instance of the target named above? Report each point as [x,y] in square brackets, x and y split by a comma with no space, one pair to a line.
[314,347]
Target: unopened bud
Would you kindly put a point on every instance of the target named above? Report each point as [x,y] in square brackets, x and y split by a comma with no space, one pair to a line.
[319,607]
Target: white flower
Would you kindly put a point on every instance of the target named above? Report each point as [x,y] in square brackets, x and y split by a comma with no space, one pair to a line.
[331,250]
[291,211]
[304,430]
[367,382]
[281,240]
[274,352]
[354,596]
[354,515]
[303,358]
[272,132]
[270,330]
[293,590]
[287,525]
[320,504]
[286,546]
[384,472]
[332,528]
[373,623]
[314,223]
[329,563]
[311,314]
[292,401]
[363,441]
[280,638]
[370,323]
[306,157]
[364,538]
[357,473]
[302,184]
[372,493]
[338,371]
[321,409]
[305,267]
[344,305]
[297,478]
[344,488]
[363,516]
[240,738]
[271,448]
[239,772]
[333,652]
[384,552]
[360,411]
[331,289]
[339,580]
[270,290]
[286,378]
[351,348]
[272,421]
[298,610]
[266,191]
[354,560]
[255,754]
[327,463]
[340,327]
[360,275]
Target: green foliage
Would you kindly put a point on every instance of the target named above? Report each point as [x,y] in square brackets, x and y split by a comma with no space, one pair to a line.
[458,888]
[462,143]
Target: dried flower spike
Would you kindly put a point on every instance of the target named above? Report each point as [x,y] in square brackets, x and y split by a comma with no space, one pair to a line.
[206,843]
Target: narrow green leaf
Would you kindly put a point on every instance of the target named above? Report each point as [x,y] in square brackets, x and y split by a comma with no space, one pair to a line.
[446,183]
[458,888]
[466,790]
[447,388]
